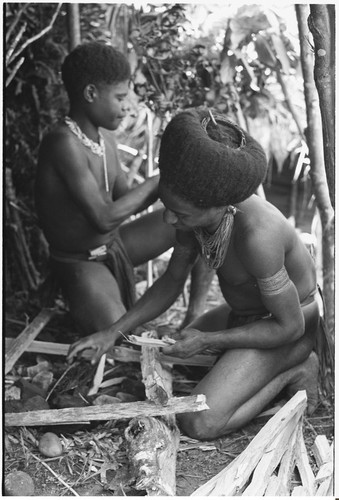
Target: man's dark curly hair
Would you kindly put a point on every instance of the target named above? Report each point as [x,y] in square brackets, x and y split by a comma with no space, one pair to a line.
[93,62]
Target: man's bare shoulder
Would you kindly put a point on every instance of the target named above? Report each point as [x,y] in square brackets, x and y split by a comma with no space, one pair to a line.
[258,218]
[58,142]
[263,235]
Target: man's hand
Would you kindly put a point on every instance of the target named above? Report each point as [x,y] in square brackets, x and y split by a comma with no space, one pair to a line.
[93,346]
[188,343]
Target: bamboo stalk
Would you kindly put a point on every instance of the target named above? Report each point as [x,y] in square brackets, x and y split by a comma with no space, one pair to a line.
[231,480]
[270,460]
[123,354]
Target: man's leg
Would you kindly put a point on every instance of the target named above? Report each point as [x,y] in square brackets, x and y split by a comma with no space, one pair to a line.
[147,237]
[92,294]
[244,381]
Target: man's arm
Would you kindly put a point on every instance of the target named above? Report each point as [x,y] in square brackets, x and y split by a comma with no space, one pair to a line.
[285,323]
[277,330]
[71,164]
[156,300]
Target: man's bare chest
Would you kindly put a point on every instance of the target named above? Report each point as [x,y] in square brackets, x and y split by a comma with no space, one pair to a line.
[232,272]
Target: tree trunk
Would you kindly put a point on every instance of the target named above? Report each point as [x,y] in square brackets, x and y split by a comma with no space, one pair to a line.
[318,172]
[320,26]
[73,25]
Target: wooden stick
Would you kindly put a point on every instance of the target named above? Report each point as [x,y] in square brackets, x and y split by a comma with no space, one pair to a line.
[156,377]
[55,474]
[123,354]
[106,412]
[152,442]
[22,342]
[231,480]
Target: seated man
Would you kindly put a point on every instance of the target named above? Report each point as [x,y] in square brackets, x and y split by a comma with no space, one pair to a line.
[82,196]
[264,332]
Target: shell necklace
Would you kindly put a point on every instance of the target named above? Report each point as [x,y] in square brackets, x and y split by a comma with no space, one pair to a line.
[214,246]
[97,149]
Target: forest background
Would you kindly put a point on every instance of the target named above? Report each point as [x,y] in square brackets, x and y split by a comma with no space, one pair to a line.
[271,69]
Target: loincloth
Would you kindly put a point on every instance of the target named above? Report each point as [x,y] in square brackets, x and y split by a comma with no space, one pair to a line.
[114,257]
[236,319]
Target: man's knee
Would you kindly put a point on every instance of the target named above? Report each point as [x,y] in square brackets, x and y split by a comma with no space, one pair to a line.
[203,425]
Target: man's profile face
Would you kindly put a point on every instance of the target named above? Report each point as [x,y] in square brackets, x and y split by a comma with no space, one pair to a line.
[110,104]
[183,215]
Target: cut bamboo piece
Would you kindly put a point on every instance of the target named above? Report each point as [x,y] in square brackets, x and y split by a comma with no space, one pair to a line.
[287,464]
[303,465]
[149,341]
[41,347]
[106,412]
[326,488]
[270,460]
[152,442]
[232,479]
[98,377]
[123,354]
[325,471]
[325,475]
[299,491]
[272,486]
[322,450]
[26,337]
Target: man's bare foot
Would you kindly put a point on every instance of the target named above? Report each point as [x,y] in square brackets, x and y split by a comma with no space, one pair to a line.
[306,378]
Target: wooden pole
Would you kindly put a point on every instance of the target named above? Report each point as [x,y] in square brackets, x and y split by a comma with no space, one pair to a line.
[22,342]
[106,412]
[319,23]
[149,173]
[320,188]
[73,25]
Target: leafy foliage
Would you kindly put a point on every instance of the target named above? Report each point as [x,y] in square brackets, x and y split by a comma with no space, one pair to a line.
[175,65]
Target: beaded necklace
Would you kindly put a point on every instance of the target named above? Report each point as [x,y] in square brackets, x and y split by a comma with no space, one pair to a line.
[97,149]
[214,246]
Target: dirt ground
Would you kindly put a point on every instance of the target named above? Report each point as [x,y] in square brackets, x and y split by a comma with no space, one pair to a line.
[94,460]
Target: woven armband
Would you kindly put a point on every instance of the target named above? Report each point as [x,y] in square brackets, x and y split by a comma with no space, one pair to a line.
[274,284]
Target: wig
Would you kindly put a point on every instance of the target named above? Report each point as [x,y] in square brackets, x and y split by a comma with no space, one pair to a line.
[209,160]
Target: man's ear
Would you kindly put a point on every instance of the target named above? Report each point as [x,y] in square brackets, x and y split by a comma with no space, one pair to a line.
[90,92]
